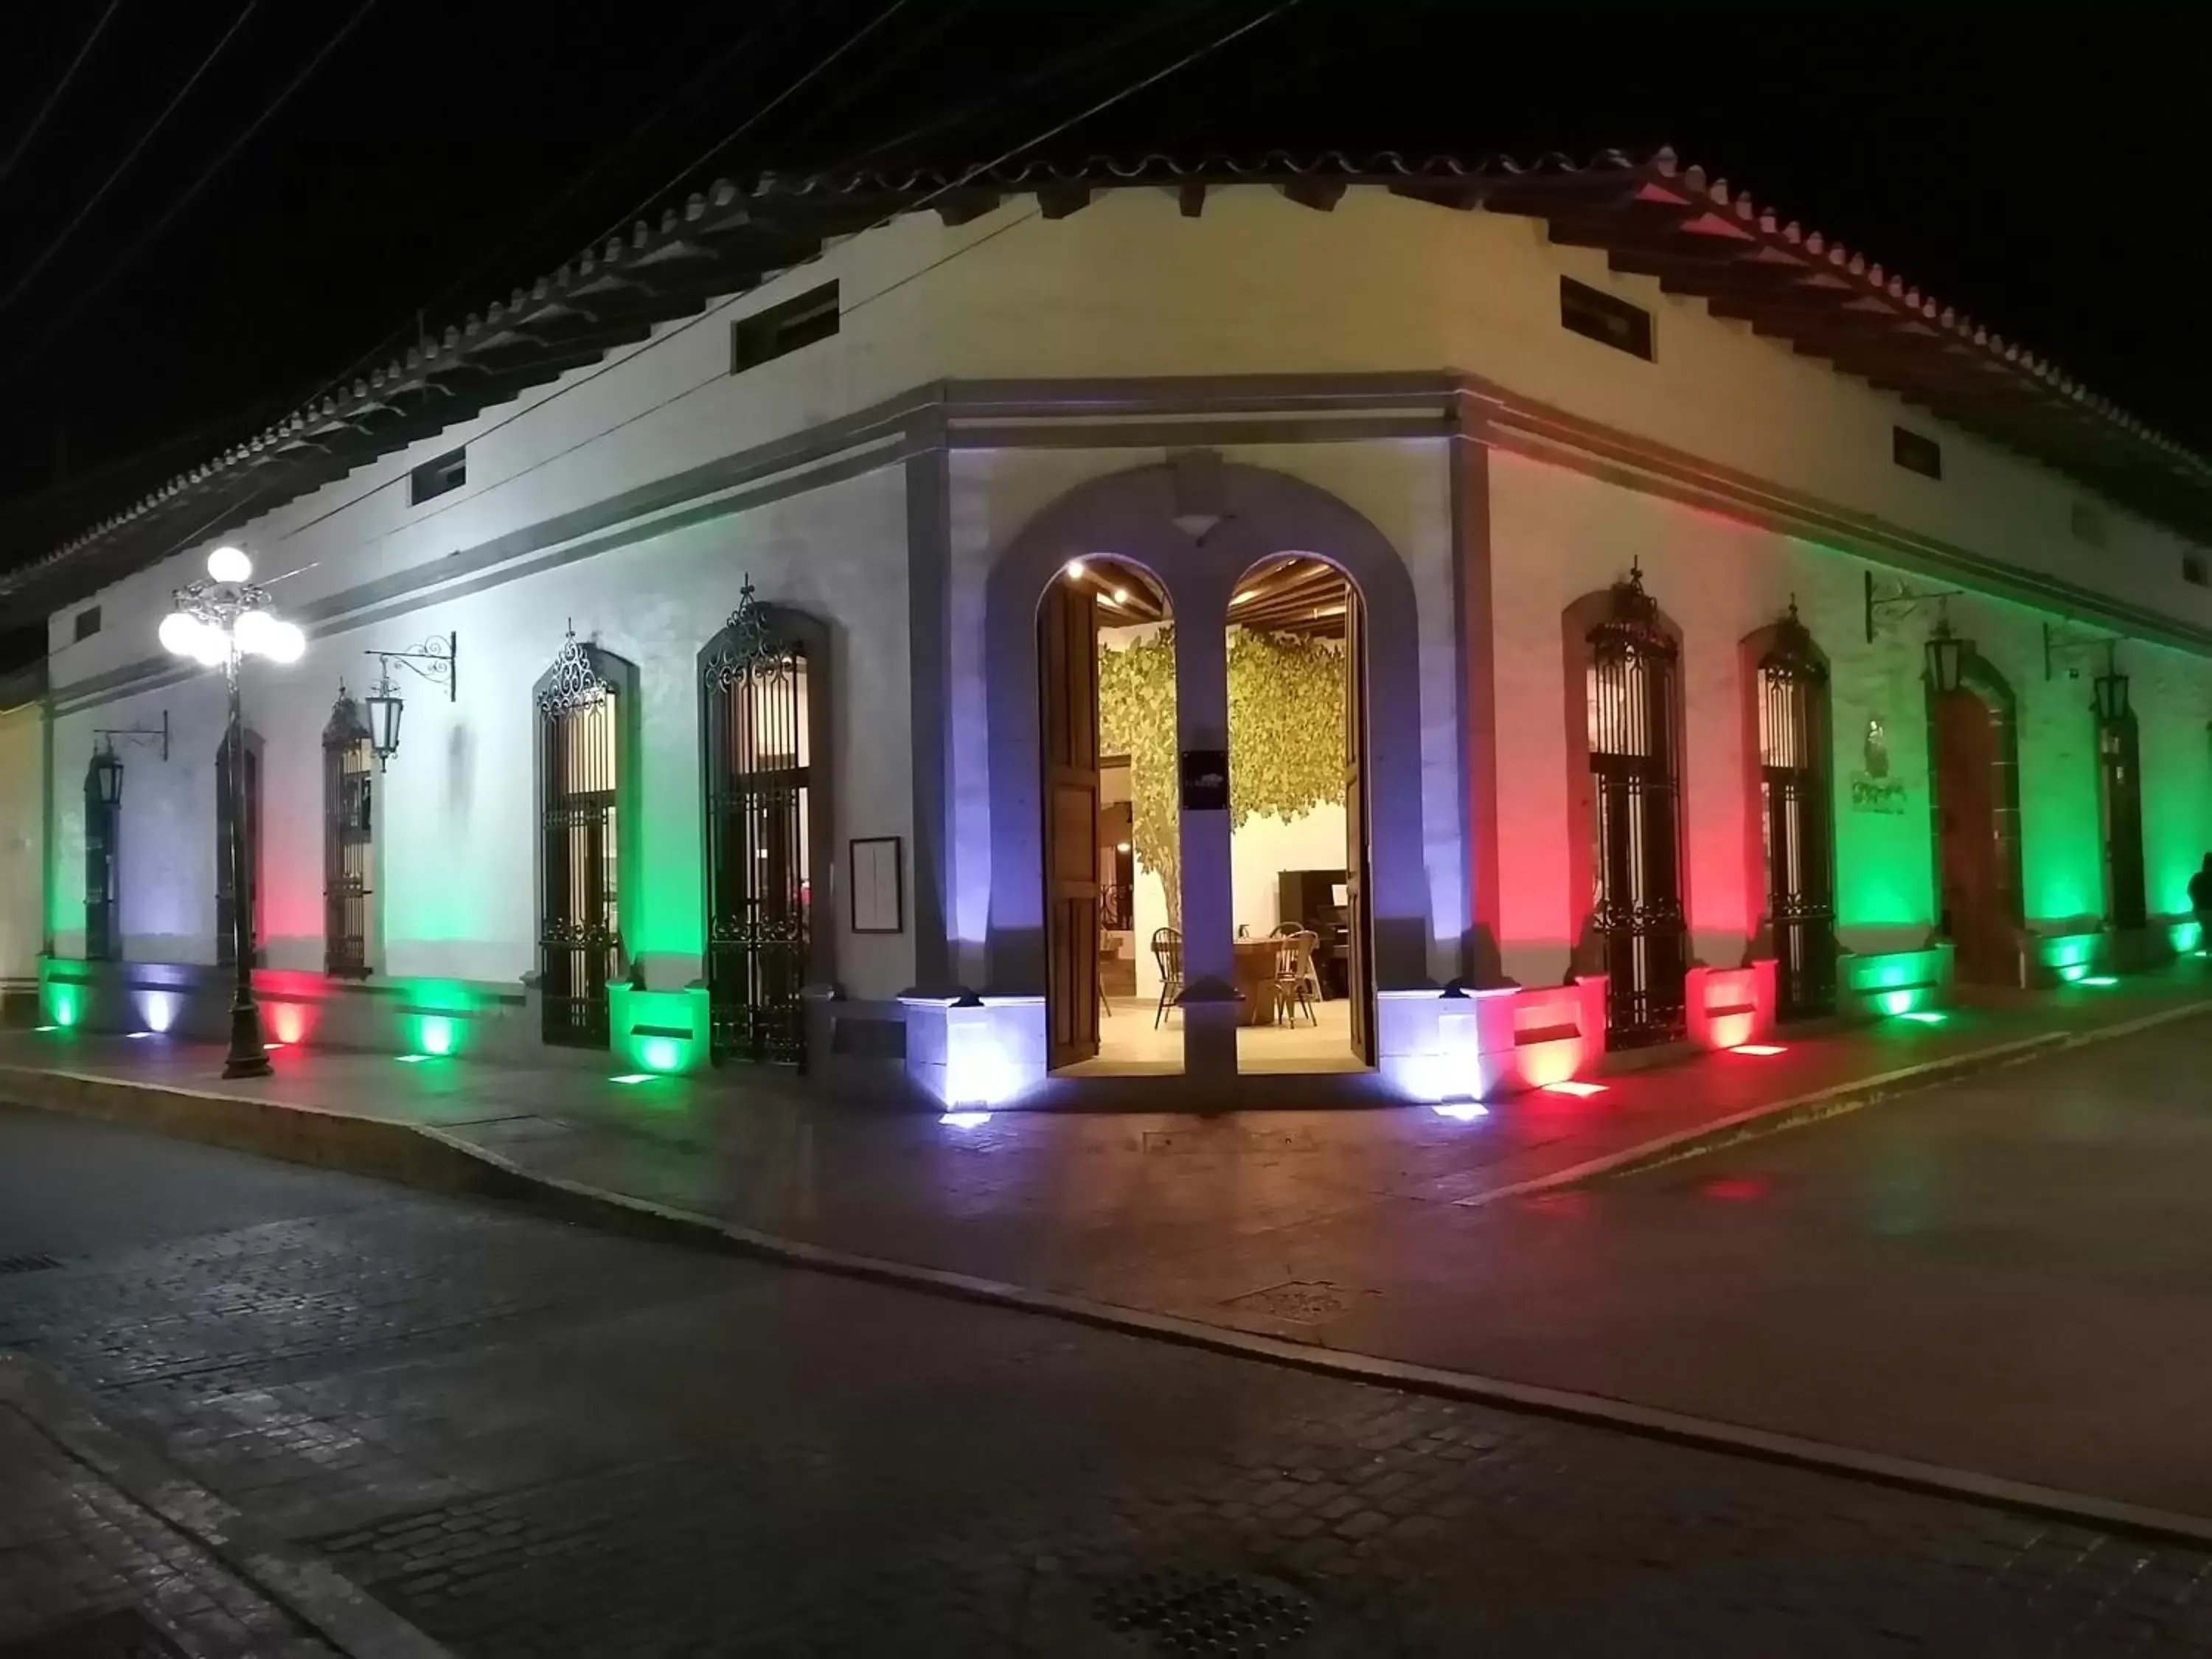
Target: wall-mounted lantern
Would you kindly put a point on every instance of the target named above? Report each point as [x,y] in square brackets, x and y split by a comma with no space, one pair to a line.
[2111,689]
[108,765]
[1947,658]
[436,659]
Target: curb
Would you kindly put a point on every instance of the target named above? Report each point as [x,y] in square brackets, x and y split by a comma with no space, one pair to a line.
[1756,1122]
[300,1582]
[428,1158]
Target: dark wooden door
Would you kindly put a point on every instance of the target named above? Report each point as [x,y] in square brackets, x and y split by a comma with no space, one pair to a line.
[1068,657]
[1359,923]
[1976,902]
[2120,800]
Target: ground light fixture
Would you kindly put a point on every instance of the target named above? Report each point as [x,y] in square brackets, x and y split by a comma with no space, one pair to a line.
[1923,1016]
[1762,1049]
[1462,1111]
[1579,1090]
[218,622]
[965,1120]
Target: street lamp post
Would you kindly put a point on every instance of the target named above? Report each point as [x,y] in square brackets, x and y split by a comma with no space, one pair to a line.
[217,621]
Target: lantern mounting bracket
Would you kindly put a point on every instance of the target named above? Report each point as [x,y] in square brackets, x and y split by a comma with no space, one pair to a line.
[151,736]
[1903,601]
[2060,641]
[437,660]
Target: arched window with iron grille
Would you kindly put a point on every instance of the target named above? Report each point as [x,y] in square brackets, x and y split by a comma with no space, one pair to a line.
[2119,801]
[1633,677]
[1790,697]
[347,839]
[763,726]
[586,740]
[102,825]
[226,949]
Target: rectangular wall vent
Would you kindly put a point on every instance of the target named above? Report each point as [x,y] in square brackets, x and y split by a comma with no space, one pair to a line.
[2090,524]
[88,622]
[434,478]
[781,329]
[1916,454]
[2193,569]
[1597,316]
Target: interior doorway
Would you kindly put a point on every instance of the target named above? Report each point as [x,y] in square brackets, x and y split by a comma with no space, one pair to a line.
[1297,819]
[1112,825]
[1976,836]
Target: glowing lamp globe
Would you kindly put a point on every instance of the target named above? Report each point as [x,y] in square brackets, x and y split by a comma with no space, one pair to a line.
[210,648]
[229,564]
[254,630]
[181,635]
[284,643]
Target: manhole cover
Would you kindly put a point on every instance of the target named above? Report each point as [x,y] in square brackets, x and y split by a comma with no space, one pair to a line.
[1208,1613]
[26,1264]
[123,1634]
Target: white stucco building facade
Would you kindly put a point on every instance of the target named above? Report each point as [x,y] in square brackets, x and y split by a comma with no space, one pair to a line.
[901,425]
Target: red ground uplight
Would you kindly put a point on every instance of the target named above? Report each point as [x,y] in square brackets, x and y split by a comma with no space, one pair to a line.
[1735,1189]
[1575,1089]
[1759,1049]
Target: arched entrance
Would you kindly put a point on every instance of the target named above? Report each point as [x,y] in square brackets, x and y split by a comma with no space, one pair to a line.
[1626,718]
[1298,850]
[1790,718]
[1106,703]
[1976,776]
[1195,528]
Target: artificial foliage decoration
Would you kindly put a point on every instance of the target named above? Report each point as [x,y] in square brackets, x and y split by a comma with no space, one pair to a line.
[1136,718]
[1286,736]
[1286,725]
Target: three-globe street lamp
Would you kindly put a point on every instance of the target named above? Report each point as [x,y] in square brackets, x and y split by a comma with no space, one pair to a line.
[217,621]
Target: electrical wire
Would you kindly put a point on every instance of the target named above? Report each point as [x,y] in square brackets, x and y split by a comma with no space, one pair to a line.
[84,211]
[56,329]
[60,86]
[237,513]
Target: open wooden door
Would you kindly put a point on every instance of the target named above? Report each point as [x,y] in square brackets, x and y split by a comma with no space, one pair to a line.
[1359,972]
[1067,660]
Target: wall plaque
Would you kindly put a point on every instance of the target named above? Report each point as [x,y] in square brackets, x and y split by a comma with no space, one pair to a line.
[1205,780]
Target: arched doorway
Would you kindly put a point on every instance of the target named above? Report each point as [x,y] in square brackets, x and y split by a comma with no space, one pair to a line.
[1790,719]
[1106,704]
[2119,808]
[763,721]
[1194,526]
[1628,726]
[1976,777]
[1299,854]
[586,744]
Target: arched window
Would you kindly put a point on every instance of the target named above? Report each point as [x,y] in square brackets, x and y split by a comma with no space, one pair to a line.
[1633,688]
[102,820]
[2119,800]
[762,710]
[226,951]
[1790,699]
[347,841]
[583,747]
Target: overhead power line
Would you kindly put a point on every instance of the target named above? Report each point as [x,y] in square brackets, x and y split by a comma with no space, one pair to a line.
[59,326]
[84,211]
[60,86]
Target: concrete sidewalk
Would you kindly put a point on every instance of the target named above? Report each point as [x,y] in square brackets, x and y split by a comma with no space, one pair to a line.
[1172,1212]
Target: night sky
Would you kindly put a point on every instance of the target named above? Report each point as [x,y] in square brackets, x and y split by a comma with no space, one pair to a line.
[439,155]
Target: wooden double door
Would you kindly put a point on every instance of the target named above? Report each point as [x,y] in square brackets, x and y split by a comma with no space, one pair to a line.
[1067,661]
[1977,838]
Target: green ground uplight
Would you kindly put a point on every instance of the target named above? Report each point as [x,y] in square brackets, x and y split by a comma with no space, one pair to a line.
[2097,979]
[628,1078]
[1924,1016]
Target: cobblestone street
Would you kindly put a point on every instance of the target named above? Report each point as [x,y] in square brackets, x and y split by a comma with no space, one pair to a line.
[529,1439]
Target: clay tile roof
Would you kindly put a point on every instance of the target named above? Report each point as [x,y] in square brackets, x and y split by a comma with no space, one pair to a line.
[1648,214]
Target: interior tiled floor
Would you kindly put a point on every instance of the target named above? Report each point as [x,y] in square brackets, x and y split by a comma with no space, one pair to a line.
[1129,1041]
